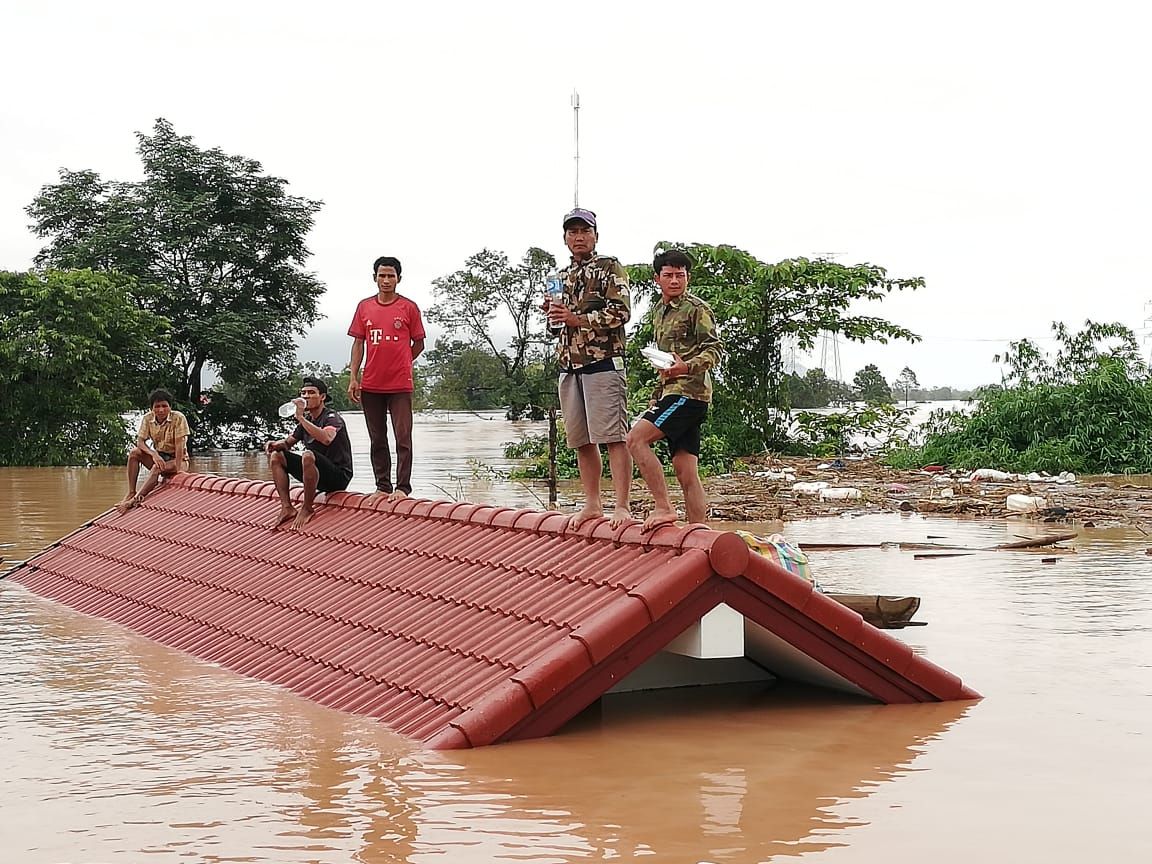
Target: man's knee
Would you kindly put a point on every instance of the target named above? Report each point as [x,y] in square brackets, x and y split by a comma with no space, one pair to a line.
[641,437]
[686,466]
[276,459]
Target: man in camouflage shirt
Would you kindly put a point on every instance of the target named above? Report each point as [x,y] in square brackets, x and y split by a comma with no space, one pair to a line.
[593,386]
[683,325]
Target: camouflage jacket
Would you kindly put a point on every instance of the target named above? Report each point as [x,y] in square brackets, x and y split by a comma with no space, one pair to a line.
[687,327]
[597,291]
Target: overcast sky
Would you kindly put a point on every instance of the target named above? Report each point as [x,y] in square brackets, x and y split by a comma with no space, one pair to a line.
[1000,150]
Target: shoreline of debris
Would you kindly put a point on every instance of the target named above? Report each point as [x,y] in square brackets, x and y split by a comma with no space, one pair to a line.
[798,488]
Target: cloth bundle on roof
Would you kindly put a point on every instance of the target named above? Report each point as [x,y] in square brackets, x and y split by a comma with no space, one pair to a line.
[777,548]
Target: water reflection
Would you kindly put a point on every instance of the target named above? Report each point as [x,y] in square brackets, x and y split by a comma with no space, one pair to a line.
[182,757]
[117,749]
[730,774]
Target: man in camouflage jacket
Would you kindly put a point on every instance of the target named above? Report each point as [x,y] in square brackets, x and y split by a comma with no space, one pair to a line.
[684,326]
[590,349]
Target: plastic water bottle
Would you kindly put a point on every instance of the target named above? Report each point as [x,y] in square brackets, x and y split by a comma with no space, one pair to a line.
[554,287]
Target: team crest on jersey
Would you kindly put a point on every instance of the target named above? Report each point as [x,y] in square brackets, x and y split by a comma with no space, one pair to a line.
[398,323]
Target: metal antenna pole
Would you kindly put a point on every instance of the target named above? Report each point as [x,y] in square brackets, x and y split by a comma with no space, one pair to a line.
[576,137]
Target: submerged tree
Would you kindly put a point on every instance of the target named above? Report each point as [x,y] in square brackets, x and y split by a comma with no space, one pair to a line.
[216,246]
[490,291]
[906,382]
[76,352]
[871,386]
[464,377]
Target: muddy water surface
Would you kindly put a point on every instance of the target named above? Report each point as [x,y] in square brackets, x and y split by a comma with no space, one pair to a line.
[116,749]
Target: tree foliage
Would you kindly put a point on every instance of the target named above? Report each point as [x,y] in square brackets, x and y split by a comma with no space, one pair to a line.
[905,383]
[1086,409]
[815,390]
[487,295]
[757,305]
[76,352]
[876,426]
[871,386]
[465,378]
[216,246]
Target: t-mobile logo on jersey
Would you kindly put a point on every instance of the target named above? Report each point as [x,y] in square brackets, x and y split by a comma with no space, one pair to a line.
[375,335]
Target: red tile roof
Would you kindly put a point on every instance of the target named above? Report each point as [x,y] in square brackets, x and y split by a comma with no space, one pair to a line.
[455,624]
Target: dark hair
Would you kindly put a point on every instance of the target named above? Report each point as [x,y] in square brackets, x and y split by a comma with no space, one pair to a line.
[309,381]
[671,258]
[386,261]
[159,396]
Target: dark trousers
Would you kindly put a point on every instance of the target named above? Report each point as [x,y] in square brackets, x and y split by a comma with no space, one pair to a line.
[377,407]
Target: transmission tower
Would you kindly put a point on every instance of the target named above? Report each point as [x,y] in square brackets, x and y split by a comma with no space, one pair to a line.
[830,356]
[829,343]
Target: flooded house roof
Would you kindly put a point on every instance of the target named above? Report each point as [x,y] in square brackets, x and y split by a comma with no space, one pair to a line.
[455,624]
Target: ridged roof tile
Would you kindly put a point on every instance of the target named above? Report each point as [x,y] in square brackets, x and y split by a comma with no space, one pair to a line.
[454,623]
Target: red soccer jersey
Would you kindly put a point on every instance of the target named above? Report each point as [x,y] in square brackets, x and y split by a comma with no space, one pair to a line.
[388,333]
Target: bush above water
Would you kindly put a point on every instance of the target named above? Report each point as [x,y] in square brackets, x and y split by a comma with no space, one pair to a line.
[1089,410]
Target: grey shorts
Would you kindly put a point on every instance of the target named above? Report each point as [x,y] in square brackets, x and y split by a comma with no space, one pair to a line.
[595,407]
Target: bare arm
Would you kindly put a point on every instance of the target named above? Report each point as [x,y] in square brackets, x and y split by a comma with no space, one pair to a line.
[284,444]
[354,364]
[417,348]
[180,456]
[323,434]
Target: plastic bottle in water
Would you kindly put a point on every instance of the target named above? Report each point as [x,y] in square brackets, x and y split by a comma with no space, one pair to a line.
[554,287]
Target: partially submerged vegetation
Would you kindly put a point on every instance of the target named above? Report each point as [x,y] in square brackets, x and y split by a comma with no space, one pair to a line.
[1087,409]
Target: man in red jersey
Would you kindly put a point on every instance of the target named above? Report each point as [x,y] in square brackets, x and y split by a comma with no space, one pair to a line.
[387,335]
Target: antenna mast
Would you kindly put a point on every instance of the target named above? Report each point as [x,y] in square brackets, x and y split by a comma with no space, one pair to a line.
[576,138]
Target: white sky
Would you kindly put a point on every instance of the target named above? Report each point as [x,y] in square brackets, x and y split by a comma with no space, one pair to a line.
[1001,150]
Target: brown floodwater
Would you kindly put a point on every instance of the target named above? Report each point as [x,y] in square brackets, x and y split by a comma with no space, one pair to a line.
[116,749]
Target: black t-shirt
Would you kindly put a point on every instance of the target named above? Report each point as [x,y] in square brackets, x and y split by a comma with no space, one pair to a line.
[339,452]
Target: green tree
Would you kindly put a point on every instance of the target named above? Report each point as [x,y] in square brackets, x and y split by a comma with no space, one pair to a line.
[465,378]
[815,390]
[757,304]
[1086,409]
[906,382]
[871,386]
[337,382]
[490,290]
[216,246]
[76,352]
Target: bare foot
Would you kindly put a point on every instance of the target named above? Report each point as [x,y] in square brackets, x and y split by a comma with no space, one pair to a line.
[657,519]
[378,494]
[283,516]
[619,516]
[301,518]
[398,495]
[127,504]
[582,516]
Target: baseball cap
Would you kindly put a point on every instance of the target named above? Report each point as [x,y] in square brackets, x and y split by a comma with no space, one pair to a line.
[319,384]
[581,215]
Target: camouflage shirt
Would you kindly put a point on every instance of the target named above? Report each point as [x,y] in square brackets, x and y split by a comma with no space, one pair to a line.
[597,291]
[686,327]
